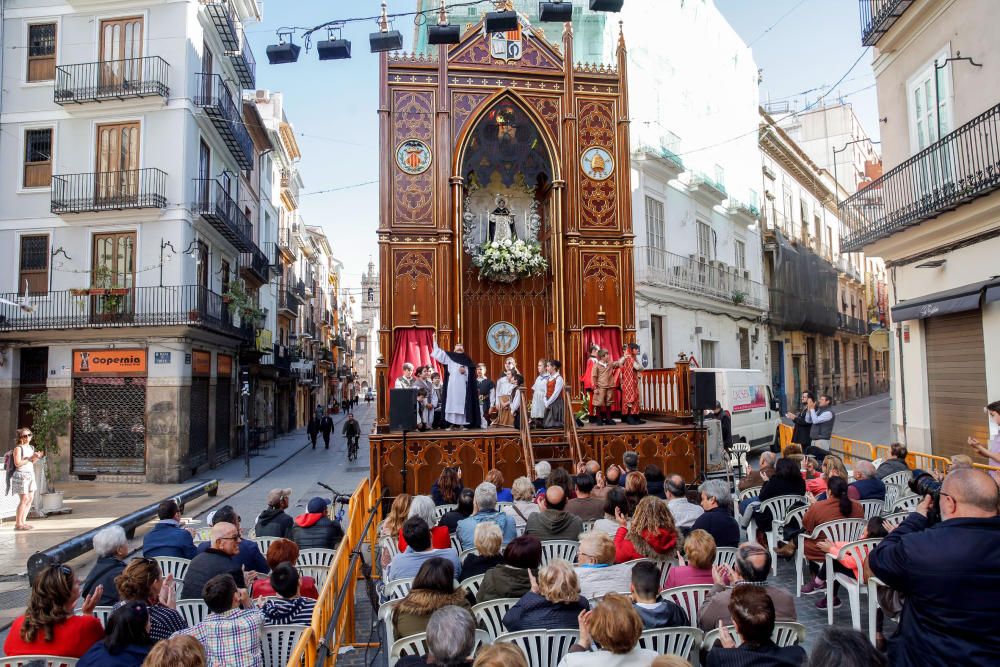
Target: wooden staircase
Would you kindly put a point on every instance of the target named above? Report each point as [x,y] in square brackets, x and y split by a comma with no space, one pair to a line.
[558,448]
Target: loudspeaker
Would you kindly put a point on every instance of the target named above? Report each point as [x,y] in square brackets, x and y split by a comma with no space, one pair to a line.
[334,49]
[501,21]
[703,391]
[391,40]
[555,12]
[606,5]
[443,34]
[280,54]
[403,409]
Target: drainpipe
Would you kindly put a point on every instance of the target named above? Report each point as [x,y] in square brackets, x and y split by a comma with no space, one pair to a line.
[899,344]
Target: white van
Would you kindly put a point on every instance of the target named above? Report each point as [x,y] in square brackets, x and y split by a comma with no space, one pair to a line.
[746,394]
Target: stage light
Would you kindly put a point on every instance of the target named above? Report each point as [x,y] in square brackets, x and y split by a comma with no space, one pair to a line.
[501,21]
[334,47]
[606,5]
[443,34]
[283,52]
[555,12]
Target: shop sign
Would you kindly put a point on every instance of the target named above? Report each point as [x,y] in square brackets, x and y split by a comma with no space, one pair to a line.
[223,365]
[109,362]
[201,363]
[264,340]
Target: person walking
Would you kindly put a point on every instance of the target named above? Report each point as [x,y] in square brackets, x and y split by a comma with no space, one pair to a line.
[351,431]
[312,430]
[22,482]
[326,427]
[821,418]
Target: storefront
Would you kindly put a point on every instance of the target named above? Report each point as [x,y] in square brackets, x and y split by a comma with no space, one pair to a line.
[201,379]
[223,407]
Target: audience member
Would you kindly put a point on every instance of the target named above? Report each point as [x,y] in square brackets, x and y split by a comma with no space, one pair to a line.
[167,538]
[793,452]
[433,588]
[289,608]
[488,540]
[786,481]
[274,521]
[177,651]
[685,512]
[585,505]
[418,551]
[837,506]
[718,518]
[553,602]
[699,550]
[960,461]
[232,629]
[248,556]
[753,614]
[554,522]
[112,549]
[949,574]
[126,640]
[866,485]
[495,477]
[615,625]
[48,626]
[142,581]
[524,504]
[655,480]
[423,507]
[654,612]
[801,427]
[764,472]
[669,661]
[220,558]
[315,530]
[283,551]
[542,471]
[500,655]
[512,578]
[463,510]
[895,463]
[651,534]
[753,565]
[392,525]
[485,506]
[614,501]
[447,487]
[845,647]
[613,477]
[596,569]
[560,477]
[451,636]
[635,489]
[631,462]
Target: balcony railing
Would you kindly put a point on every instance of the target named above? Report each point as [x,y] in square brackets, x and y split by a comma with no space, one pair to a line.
[710,278]
[109,191]
[244,63]
[112,80]
[852,324]
[291,186]
[213,203]
[961,166]
[224,17]
[281,358]
[179,305]
[256,263]
[285,242]
[213,96]
[877,16]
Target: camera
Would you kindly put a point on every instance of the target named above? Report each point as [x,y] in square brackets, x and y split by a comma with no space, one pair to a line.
[924,484]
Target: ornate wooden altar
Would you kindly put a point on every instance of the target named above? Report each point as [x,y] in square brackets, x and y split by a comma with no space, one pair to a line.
[502,138]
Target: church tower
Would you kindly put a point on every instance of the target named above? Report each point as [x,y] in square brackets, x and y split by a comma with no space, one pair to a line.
[367,343]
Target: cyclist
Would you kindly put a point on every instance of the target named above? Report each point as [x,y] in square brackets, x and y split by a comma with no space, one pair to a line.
[352,431]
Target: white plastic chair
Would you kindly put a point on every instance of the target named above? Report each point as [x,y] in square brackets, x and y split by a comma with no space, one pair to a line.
[726,556]
[193,611]
[896,518]
[559,549]
[588,526]
[318,572]
[441,510]
[472,584]
[172,565]
[278,642]
[417,645]
[873,583]
[102,612]
[467,552]
[906,503]
[455,543]
[751,492]
[664,573]
[841,530]
[872,508]
[858,550]
[263,543]
[899,479]
[779,506]
[682,641]
[785,633]
[47,660]
[504,506]
[689,598]
[489,615]
[542,648]
[397,588]
[385,615]
[316,557]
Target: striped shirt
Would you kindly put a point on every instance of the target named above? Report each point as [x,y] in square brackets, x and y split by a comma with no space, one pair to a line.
[163,621]
[294,611]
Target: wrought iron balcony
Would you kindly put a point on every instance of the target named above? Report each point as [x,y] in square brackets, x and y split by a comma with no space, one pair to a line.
[223,15]
[281,358]
[109,191]
[244,63]
[963,165]
[213,96]
[213,203]
[877,16]
[178,305]
[712,279]
[852,324]
[285,241]
[112,80]
[255,263]
[290,187]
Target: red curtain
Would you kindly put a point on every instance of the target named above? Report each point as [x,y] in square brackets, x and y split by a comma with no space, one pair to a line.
[606,338]
[412,345]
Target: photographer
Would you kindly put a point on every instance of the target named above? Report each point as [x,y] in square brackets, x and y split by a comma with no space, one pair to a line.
[949,573]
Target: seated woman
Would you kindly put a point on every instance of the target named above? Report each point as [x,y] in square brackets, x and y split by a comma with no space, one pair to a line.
[752,611]
[283,551]
[142,581]
[699,550]
[495,477]
[615,625]
[635,488]
[48,626]
[488,540]
[895,463]
[553,602]
[126,643]
[290,608]
[837,506]
[393,524]
[787,481]
[524,505]
[652,533]
[832,466]
[446,489]
[654,481]
[463,510]
[433,588]
[596,569]
[178,651]
[512,577]
[614,501]
[423,507]
[112,550]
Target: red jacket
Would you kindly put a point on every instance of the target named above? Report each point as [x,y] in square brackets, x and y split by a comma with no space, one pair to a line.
[440,538]
[263,587]
[662,541]
[70,639]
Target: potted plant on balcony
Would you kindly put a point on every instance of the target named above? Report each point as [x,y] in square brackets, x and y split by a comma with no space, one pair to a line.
[50,419]
[239,302]
[739,297]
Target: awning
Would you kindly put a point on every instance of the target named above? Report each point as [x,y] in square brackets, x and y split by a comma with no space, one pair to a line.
[957,300]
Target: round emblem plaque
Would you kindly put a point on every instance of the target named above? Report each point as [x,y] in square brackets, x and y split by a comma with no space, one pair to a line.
[503,338]
[597,163]
[413,157]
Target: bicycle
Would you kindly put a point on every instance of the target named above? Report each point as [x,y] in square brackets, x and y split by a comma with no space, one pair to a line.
[352,448]
[338,498]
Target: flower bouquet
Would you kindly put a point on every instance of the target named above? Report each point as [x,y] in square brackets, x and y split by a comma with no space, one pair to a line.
[509,260]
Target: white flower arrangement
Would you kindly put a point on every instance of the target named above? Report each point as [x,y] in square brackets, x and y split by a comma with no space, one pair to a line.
[506,261]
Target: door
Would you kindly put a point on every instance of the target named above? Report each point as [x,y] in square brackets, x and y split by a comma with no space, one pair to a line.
[204,175]
[778,371]
[114,273]
[656,332]
[117,168]
[929,107]
[121,53]
[207,65]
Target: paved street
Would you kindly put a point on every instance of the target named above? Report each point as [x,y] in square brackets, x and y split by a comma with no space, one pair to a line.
[864,419]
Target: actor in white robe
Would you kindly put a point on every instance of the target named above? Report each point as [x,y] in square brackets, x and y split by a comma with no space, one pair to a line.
[458,381]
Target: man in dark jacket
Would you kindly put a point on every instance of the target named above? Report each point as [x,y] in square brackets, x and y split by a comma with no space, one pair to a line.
[112,550]
[725,423]
[949,574]
[274,522]
[248,554]
[718,518]
[219,558]
[351,430]
[800,432]
[314,529]
[867,485]
[167,538]
[326,426]
[554,522]
[655,613]
[312,430]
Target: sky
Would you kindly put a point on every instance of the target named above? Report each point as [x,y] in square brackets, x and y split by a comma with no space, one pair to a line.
[332,104]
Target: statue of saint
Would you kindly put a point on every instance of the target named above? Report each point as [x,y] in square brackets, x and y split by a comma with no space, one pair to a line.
[501,221]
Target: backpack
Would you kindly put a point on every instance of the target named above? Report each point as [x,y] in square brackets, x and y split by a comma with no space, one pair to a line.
[8,469]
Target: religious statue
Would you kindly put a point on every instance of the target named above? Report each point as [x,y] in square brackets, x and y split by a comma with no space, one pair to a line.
[501,222]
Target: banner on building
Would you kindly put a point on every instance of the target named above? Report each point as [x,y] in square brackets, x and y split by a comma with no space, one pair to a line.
[109,362]
[264,341]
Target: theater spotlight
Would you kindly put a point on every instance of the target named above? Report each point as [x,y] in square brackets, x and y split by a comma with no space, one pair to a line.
[555,12]
[283,52]
[606,5]
[385,39]
[334,48]
[443,32]
[501,21]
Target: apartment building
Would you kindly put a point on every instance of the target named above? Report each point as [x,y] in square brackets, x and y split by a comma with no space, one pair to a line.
[933,214]
[128,225]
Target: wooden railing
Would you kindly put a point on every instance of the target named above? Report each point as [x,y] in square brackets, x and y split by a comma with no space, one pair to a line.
[526,451]
[666,391]
[569,428]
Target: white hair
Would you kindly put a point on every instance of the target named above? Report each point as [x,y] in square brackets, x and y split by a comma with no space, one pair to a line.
[718,489]
[543,469]
[864,470]
[423,506]
[451,635]
[486,497]
[107,541]
[768,458]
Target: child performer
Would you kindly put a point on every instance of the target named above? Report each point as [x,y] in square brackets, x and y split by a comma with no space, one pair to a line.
[509,403]
[538,395]
[586,379]
[436,388]
[603,382]
[554,408]
[422,423]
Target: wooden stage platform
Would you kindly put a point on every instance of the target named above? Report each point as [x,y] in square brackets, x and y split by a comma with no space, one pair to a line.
[675,447]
